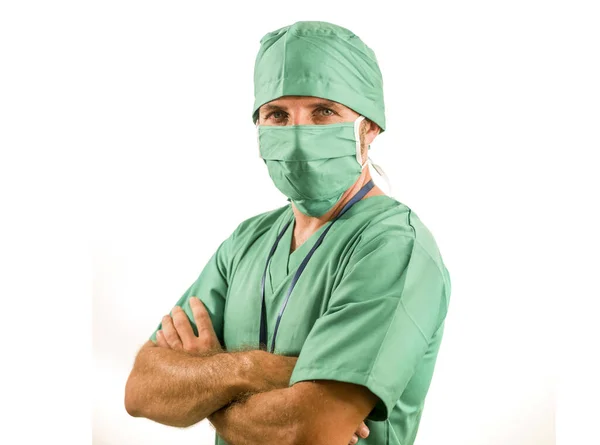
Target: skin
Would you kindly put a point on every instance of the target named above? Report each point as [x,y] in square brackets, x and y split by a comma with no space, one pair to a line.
[184,378]
[177,335]
[308,110]
[185,383]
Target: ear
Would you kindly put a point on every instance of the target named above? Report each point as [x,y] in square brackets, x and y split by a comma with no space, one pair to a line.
[368,132]
[372,130]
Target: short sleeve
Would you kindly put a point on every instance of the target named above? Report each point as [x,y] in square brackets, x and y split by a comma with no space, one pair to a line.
[381,317]
[211,288]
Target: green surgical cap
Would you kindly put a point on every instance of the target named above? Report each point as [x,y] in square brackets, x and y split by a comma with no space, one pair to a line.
[319,59]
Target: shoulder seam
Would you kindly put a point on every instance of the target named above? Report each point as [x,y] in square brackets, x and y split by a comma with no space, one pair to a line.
[418,242]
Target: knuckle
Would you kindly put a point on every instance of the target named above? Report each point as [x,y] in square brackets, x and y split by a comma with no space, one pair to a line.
[192,347]
[205,343]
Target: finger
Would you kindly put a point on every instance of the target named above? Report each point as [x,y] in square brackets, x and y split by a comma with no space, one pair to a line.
[170,333]
[161,341]
[201,317]
[183,326]
[363,430]
[354,440]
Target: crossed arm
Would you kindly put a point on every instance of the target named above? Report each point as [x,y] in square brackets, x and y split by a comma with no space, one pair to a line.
[318,412]
[244,394]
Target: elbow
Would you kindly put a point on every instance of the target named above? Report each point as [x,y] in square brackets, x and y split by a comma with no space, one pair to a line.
[132,402]
[137,405]
[131,408]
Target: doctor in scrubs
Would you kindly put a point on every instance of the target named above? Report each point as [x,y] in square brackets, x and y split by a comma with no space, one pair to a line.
[318,322]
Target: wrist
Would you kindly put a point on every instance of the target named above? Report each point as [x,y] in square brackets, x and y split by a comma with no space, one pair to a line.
[248,372]
[267,371]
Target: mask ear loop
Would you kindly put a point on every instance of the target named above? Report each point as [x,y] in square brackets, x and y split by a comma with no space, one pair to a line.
[377,168]
[357,122]
[381,173]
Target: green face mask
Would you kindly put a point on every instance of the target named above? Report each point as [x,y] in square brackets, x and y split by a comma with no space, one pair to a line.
[313,165]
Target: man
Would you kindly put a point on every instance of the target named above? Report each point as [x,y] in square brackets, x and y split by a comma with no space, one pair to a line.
[318,322]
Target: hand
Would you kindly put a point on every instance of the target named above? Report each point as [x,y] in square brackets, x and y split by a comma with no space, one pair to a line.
[361,431]
[177,333]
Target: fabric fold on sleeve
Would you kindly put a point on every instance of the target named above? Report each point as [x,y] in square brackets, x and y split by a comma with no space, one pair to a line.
[379,322]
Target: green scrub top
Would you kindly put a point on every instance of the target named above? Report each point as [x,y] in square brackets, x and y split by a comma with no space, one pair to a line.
[368,309]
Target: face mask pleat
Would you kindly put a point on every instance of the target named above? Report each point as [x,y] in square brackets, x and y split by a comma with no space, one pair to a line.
[312,164]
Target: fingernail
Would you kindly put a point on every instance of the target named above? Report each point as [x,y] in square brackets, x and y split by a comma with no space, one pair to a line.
[364,431]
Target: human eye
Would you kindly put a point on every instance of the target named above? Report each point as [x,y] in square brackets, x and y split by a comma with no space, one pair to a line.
[277,115]
[325,112]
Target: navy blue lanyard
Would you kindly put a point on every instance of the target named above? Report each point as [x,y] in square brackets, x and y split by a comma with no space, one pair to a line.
[263,314]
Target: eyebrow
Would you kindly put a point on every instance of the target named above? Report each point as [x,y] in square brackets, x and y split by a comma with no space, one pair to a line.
[325,103]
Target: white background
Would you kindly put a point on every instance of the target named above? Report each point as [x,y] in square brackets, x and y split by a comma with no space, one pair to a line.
[128,154]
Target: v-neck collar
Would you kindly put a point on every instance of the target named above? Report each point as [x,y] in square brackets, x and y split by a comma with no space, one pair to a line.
[295,258]
[283,263]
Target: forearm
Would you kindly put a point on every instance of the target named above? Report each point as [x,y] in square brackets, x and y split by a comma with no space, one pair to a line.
[268,417]
[179,389]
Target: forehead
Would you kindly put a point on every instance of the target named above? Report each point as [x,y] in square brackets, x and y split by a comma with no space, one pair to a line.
[285,102]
